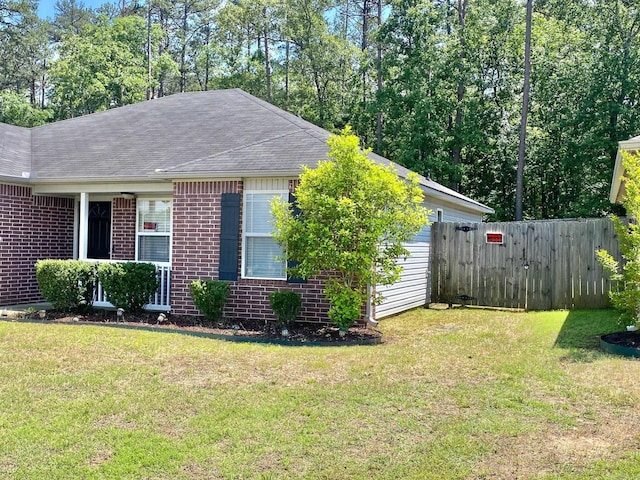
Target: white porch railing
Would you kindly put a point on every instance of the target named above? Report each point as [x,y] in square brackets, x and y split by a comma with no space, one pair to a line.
[161,301]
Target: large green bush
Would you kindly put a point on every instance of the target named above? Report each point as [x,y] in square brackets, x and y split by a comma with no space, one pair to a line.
[210,296]
[68,284]
[129,285]
[286,306]
[352,219]
[625,294]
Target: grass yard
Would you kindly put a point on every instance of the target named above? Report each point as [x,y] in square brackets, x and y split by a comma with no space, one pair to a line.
[460,394]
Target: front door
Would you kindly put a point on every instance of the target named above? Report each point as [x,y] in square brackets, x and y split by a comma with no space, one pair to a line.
[99,231]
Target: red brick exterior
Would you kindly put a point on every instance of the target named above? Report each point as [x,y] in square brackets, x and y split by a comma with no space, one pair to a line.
[39,227]
[196,246]
[32,228]
[196,243]
[123,229]
[250,299]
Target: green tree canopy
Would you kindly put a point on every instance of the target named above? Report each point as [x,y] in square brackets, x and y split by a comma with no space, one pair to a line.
[354,216]
[16,109]
[105,67]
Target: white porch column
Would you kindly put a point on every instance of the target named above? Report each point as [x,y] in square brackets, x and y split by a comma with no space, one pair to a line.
[84,226]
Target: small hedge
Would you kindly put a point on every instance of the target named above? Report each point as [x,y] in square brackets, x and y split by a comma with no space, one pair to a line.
[286,306]
[67,284]
[345,304]
[129,285]
[210,296]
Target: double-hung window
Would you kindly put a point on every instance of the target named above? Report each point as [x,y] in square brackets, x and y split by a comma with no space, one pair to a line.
[262,256]
[153,242]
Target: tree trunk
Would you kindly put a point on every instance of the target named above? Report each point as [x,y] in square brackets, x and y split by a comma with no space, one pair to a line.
[248,45]
[43,84]
[525,109]
[286,71]
[148,49]
[267,60]
[32,90]
[364,45]
[183,51]
[207,65]
[162,47]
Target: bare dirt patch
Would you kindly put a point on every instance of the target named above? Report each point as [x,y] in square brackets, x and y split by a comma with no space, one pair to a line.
[550,449]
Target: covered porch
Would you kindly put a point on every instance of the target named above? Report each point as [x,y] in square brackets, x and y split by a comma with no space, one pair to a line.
[122,223]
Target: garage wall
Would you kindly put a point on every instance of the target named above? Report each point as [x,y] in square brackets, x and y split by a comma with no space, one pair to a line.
[413,289]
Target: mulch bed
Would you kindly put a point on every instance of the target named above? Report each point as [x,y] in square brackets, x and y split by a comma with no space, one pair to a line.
[244,330]
[623,339]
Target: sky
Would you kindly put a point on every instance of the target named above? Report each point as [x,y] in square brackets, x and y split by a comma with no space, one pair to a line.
[46,7]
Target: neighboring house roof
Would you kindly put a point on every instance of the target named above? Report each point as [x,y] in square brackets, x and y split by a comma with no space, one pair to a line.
[219,133]
[15,151]
[617,192]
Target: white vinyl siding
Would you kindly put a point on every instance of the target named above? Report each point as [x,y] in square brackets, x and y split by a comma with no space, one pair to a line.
[153,230]
[413,288]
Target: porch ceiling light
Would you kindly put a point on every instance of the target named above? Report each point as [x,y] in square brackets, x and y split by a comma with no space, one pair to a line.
[128,195]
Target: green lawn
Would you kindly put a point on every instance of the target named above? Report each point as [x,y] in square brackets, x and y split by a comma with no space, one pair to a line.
[464,394]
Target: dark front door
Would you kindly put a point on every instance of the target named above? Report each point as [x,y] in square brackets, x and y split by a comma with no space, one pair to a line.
[99,241]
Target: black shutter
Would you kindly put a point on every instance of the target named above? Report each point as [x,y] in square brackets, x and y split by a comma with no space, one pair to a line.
[293,263]
[229,236]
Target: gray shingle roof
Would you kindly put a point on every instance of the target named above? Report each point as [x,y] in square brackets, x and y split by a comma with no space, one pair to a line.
[214,133]
[15,151]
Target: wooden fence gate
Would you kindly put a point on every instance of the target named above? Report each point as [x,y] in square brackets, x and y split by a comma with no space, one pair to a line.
[538,265]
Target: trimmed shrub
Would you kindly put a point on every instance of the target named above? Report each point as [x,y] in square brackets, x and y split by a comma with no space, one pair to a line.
[346,304]
[286,306]
[210,296]
[129,285]
[68,284]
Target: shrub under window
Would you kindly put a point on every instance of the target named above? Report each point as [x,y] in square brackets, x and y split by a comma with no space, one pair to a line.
[210,296]
[129,285]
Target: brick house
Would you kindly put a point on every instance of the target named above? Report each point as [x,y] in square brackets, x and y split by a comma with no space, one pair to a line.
[184,182]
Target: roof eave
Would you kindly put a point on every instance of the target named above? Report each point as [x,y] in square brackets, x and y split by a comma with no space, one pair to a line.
[15,179]
[169,175]
[468,203]
[90,180]
[290,173]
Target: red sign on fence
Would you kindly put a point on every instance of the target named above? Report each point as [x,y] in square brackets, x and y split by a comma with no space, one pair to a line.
[494,238]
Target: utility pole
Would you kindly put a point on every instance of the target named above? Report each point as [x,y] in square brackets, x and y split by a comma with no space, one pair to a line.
[525,109]
[379,68]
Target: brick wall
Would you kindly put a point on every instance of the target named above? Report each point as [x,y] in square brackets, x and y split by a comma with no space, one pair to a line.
[196,243]
[196,231]
[31,228]
[123,229]
[250,299]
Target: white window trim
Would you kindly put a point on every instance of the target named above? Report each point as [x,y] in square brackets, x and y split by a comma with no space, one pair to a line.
[155,234]
[285,195]
[439,215]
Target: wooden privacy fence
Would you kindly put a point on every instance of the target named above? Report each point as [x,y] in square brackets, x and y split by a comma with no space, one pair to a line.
[538,265]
